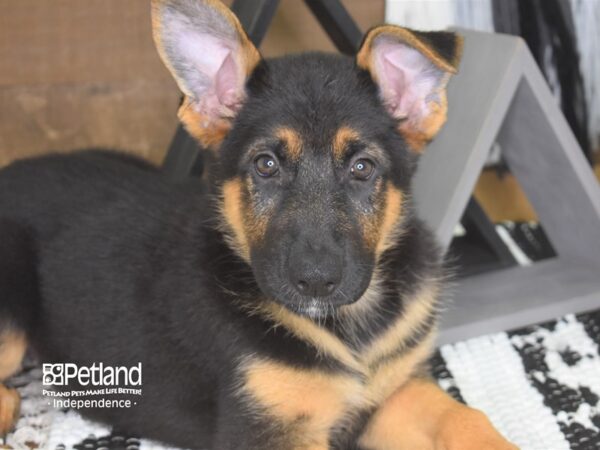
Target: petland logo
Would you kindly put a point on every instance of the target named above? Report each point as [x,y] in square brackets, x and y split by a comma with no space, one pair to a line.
[98,386]
[97,374]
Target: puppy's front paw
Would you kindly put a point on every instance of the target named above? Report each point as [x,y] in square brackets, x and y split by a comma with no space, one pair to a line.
[469,429]
[9,409]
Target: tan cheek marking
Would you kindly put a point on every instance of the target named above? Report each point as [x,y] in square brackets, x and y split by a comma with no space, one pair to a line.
[370,222]
[246,224]
[290,394]
[343,137]
[292,141]
[391,218]
[415,315]
[232,212]
[13,345]
[256,221]
[381,230]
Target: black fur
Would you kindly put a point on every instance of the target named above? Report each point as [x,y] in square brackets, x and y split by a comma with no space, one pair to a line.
[102,258]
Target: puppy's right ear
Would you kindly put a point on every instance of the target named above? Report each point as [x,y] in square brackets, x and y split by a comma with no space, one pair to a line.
[210,56]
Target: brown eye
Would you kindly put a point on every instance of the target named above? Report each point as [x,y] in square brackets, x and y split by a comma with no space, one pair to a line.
[362,169]
[266,165]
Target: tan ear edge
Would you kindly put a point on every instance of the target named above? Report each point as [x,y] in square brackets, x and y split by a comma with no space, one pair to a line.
[421,41]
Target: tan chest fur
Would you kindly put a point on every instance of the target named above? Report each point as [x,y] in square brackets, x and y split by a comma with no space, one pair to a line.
[312,401]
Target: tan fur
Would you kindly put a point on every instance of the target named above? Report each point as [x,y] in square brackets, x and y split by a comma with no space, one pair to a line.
[342,138]
[418,135]
[312,400]
[232,211]
[417,310]
[394,373]
[209,133]
[370,221]
[398,423]
[13,345]
[305,329]
[420,415]
[244,226]
[285,392]
[10,403]
[291,140]
[387,229]
[364,56]
[256,220]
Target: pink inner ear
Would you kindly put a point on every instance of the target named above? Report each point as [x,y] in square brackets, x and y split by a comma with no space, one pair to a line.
[209,71]
[227,85]
[204,52]
[407,79]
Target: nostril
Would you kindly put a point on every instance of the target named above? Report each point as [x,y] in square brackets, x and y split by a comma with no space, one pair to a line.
[330,286]
[302,286]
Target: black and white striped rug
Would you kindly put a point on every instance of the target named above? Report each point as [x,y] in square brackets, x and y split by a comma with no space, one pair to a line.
[539,385]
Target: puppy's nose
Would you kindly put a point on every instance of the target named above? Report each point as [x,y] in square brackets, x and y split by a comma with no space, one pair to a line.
[316,278]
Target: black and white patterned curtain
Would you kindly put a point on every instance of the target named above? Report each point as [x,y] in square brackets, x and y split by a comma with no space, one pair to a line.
[563,36]
[548,28]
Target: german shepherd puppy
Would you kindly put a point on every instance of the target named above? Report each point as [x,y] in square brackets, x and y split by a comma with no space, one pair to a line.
[289,301]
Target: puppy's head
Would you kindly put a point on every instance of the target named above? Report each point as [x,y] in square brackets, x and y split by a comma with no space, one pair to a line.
[314,152]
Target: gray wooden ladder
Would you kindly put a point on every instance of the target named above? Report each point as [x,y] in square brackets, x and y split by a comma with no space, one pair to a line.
[501,96]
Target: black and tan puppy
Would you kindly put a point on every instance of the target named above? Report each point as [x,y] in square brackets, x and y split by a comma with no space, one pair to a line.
[288,304]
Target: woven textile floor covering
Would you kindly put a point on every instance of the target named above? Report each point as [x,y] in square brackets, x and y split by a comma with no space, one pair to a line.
[540,386]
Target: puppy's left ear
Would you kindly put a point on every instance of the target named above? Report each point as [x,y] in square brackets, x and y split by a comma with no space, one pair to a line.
[412,69]
[210,56]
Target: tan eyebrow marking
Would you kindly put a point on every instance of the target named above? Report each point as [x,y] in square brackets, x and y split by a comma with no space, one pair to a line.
[342,137]
[292,141]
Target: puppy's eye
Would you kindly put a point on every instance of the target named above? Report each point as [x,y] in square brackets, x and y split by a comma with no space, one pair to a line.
[266,165]
[362,169]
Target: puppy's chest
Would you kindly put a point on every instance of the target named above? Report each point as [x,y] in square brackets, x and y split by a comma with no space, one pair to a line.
[326,396]
[322,398]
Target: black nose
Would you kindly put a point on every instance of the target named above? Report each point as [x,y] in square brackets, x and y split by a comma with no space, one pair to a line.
[315,273]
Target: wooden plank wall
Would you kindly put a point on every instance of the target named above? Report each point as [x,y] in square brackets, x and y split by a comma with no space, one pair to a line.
[78,74]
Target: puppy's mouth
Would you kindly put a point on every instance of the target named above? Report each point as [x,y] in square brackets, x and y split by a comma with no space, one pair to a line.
[318,308]
[314,308]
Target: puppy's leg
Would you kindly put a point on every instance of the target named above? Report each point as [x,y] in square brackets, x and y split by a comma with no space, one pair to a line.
[421,416]
[19,306]
[10,403]
[12,350]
